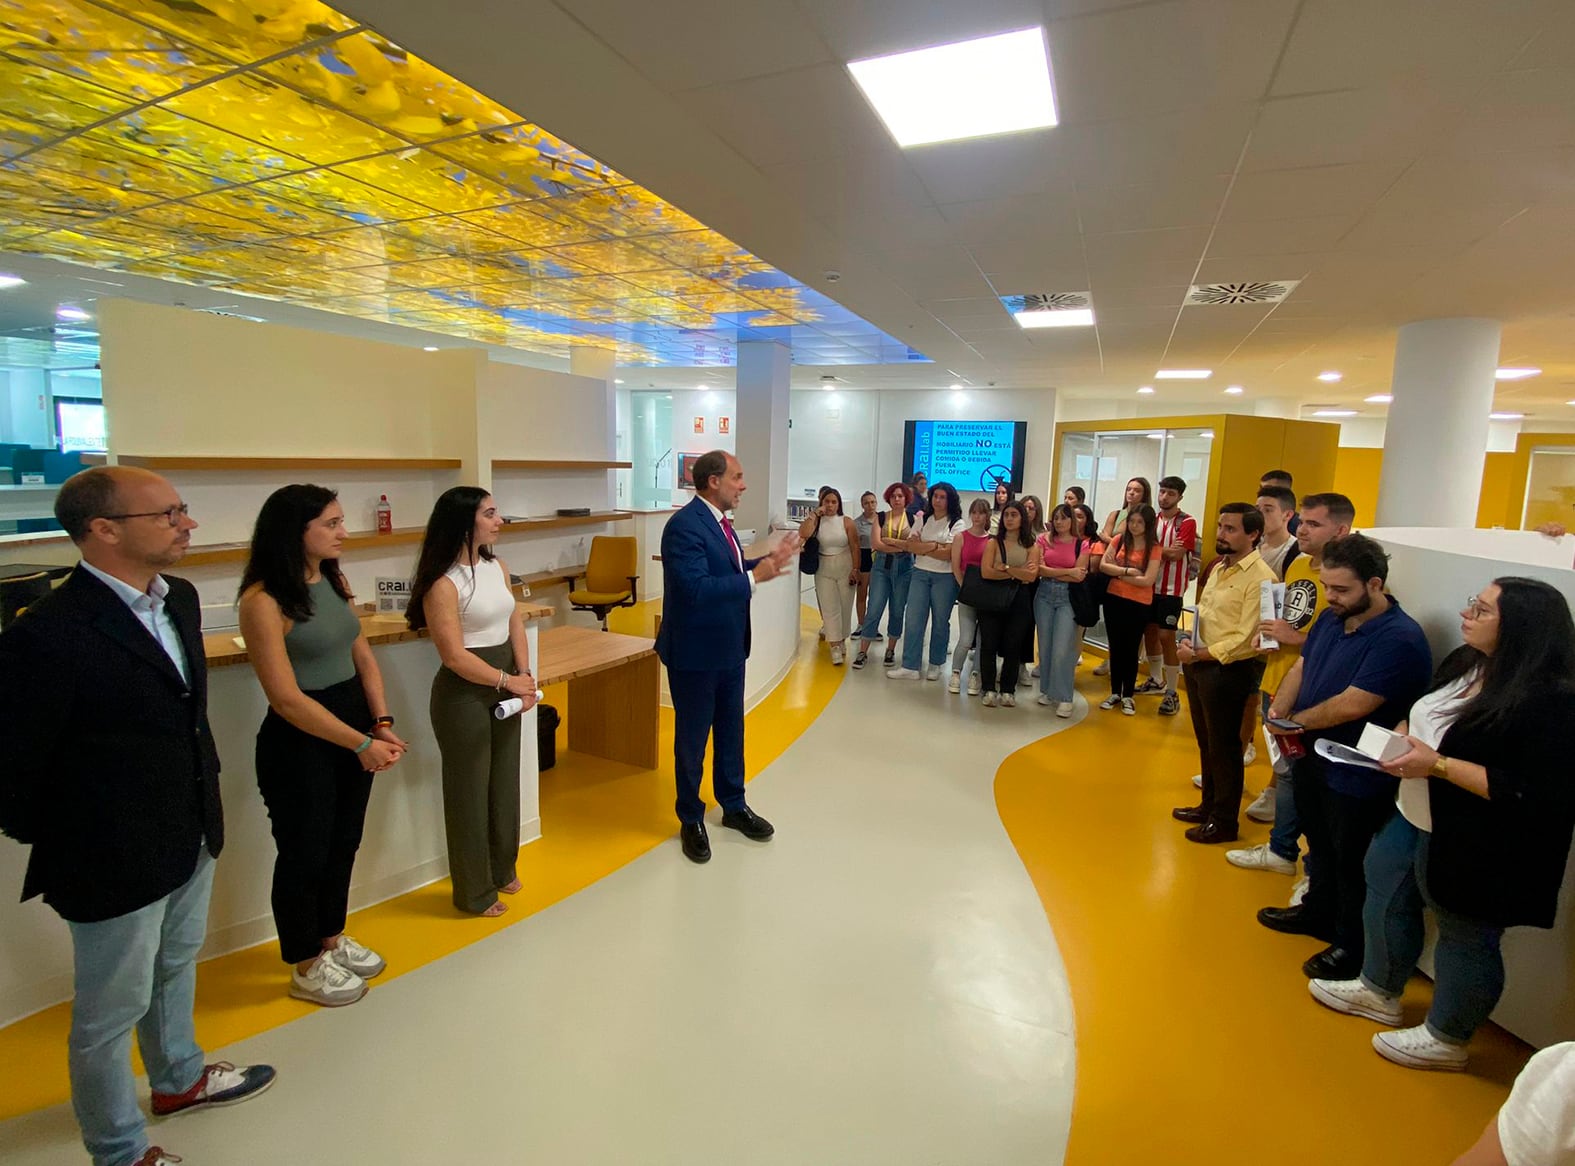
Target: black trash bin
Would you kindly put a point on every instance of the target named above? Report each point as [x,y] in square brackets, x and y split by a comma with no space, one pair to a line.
[546,737]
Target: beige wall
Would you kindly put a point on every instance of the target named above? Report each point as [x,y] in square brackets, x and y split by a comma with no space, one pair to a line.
[183,382]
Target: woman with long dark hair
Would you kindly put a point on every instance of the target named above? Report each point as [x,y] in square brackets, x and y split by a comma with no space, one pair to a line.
[461,596]
[837,576]
[1132,562]
[1138,493]
[1487,810]
[932,589]
[327,731]
[968,551]
[889,576]
[1002,497]
[1012,556]
[1063,564]
[1097,582]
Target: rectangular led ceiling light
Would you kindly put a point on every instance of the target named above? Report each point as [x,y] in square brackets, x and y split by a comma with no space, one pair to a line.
[1066,318]
[1515,374]
[970,89]
[1183,374]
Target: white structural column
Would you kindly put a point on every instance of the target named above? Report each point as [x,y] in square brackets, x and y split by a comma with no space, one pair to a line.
[600,364]
[765,372]
[1435,443]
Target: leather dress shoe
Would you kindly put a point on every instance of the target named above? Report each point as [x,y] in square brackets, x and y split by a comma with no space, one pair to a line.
[1333,963]
[1295,921]
[697,846]
[1196,814]
[1210,832]
[748,823]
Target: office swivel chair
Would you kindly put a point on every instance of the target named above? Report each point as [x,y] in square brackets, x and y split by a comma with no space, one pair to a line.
[16,594]
[610,577]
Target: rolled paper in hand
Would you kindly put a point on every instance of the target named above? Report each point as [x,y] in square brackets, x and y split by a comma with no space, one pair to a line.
[508,708]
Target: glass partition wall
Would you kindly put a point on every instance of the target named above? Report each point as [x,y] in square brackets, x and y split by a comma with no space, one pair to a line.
[1103,462]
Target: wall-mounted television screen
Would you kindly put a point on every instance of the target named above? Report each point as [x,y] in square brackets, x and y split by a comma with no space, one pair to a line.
[971,455]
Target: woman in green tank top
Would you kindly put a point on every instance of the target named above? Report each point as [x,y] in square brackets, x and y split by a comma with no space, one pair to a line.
[327,731]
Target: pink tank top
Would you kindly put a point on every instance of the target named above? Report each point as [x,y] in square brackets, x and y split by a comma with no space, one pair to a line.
[973,549]
[1062,556]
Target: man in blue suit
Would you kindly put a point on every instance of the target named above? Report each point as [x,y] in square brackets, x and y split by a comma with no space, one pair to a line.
[704,642]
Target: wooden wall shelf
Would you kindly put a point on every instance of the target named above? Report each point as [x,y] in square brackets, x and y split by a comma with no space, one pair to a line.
[559,464]
[220,464]
[236,552]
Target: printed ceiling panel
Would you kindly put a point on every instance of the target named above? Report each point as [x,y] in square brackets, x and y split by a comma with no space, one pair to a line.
[279,149]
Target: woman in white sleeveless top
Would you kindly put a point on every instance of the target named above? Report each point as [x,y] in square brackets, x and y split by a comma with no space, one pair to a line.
[461,595]
[838,573]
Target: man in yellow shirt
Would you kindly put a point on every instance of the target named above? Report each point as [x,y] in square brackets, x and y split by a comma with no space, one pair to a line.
[1325,517]
[1223,668]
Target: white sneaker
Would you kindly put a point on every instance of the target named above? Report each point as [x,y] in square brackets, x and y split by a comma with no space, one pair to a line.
[1024,680]
[1034,672]
[1354,998]
[933,672]
[955,683]
[1102,668]
[989,700]
[326,983]
[837,656]
[1128,708]
[973,684]
[1417,1048]
[902,674]
[1260,858]
[1110,702]
[357,958]
[1250,755]
[1008,700]
[1298,892]
[1197,781]
[1043,699]
[1064,709]
[1262,808]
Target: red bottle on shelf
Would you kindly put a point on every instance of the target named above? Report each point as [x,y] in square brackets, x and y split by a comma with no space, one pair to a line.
[385,515]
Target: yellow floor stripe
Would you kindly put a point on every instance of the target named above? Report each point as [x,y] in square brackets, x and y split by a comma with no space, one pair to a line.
[597,816]
[1197,1041]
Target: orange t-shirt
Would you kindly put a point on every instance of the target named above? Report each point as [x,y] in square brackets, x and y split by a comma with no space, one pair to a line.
[1125,588]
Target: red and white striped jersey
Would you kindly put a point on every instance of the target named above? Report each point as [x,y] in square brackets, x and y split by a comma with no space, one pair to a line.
[1175,574]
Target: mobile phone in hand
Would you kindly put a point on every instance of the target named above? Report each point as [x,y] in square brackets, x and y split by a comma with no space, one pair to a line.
[1285,726]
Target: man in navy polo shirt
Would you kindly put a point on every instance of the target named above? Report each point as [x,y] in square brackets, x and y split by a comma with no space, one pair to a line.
[1365,661]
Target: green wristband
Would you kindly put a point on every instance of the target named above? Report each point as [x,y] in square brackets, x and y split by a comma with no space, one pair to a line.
[364,745]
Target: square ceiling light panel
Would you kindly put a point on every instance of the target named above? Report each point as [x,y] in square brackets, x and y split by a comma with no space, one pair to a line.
[279,149]
[969,89]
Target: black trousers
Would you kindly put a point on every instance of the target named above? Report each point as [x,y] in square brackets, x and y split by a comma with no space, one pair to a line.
[1216,694]
[1005,634]
[1339,829]
[316,793]
[1125,620]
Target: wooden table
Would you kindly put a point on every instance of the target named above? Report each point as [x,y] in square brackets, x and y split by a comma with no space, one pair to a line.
[614,691]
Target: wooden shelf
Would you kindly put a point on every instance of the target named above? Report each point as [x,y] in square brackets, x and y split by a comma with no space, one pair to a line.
[160,462]
[563,464]
[236,552]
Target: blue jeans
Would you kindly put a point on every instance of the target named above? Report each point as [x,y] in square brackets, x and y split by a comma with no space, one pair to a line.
[888,585]
[1285,835]
[1057,640]
[1468,966]
[136,971]
[931,595]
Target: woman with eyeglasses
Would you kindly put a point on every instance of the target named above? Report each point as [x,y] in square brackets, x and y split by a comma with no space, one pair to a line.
[461,595]
[1132,562]
[893,564]
[1487,810]
[1010,557]
[327,731]
[968,551]
[932,589]
[1063,564]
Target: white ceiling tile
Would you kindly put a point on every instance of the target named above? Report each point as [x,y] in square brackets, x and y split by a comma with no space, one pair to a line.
[797,116]
[1034,162]
[1356,125]
[855,29]
[1522,110]
[1043,219]
[1017,278]
[1347,44]
[994,258]
[716,40]
[1157,59]
[1190,202]
[1150,151]
[1281,237]
[1306,191]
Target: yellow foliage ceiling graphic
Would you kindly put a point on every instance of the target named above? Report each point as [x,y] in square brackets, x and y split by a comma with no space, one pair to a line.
[277,148]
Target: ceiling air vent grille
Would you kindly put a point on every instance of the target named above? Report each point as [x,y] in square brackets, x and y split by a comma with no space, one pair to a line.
[1258,292]
[1047,302]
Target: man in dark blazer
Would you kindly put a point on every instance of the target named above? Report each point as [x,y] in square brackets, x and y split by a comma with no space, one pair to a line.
[704,642]
[109,771]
